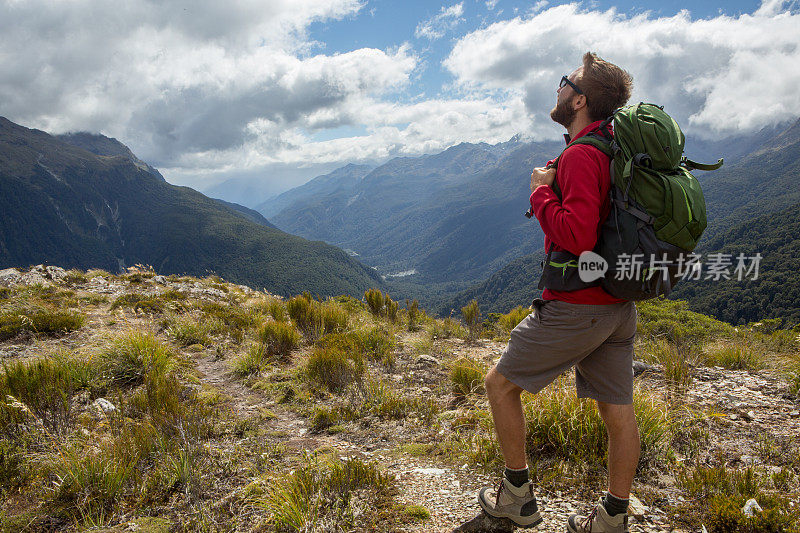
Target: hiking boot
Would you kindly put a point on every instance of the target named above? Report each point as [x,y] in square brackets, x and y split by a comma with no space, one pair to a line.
[518,504]
[598,521]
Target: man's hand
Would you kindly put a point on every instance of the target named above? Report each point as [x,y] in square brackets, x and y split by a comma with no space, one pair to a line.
[542,176]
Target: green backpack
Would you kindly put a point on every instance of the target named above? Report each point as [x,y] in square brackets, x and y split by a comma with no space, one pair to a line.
[657,209]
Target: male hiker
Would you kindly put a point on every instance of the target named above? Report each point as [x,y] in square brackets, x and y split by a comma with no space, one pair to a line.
[586,328]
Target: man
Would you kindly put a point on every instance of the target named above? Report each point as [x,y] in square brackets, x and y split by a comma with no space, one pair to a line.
[586,328]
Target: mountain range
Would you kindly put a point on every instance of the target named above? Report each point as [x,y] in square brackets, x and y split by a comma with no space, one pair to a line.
[85,201]
[451,223]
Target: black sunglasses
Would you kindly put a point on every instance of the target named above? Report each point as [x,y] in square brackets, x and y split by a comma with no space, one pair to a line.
[565,81]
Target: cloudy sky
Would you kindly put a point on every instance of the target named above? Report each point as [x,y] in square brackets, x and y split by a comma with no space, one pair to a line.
[276,91]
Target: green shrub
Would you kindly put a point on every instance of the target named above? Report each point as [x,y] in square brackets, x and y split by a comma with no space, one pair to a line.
[333,368]
[562,425]
[412,309]
[45,387]
[672,319]
[511,319]
[391,308]
[736,356]
[187,331]
[417,512]
[135,355]
[252,361]
[375,302]
[315,318]
[472,318]
[280,338]
[140,302]
[467,376]
[39,320]
[319,494]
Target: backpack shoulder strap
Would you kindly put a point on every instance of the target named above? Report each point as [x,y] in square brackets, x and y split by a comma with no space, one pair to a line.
[688,164]
[599,138]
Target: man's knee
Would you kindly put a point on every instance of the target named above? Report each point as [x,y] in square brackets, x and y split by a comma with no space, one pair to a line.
[497,384]
[618,418]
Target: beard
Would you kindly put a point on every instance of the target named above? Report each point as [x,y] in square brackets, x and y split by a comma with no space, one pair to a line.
[563,113]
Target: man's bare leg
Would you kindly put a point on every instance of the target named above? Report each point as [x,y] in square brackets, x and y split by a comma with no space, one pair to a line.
[623,447]
[509,420]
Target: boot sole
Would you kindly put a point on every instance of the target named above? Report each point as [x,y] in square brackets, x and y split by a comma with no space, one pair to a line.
[525,522]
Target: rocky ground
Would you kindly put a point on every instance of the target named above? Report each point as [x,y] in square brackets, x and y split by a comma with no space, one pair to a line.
[738,418]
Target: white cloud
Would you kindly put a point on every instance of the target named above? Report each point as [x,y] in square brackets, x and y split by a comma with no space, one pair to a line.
[207,91]
[438,25]
[719,74]
[183,77]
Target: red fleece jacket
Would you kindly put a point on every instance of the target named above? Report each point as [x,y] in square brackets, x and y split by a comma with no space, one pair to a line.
[573,224]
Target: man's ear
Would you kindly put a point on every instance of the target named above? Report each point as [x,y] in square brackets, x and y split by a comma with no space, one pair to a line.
[579,102]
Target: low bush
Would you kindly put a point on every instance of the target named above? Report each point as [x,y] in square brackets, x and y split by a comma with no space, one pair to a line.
[736,356]
[559,424]
[252,361]
[279,338]
[134,355]
[472,318]
[511,319]
[188,331]
[467,376]
[321,493]
[718,495]
[140,302]
[672,320]
[333,368]
[38,320]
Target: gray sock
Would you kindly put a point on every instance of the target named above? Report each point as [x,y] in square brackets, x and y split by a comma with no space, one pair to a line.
[517,477]
[614,505]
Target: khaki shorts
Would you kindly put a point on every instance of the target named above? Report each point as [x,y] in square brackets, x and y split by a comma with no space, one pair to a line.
[596,339]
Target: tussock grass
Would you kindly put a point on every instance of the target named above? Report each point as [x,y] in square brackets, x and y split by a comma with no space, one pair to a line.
[280,338]
[673,321]
[446,328]
[472,318]
[44,386]
[413,314]
[134,355]
[467,376]
[511,319]
[274,307]
[139,302]
[252,361]
[333,368]
[718,495]
[315,318]
[38,320]
[379,344]
[562,425]
[319,496]
[736,356]
[793,375]
[676,361]
[387,402]
[188,331]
